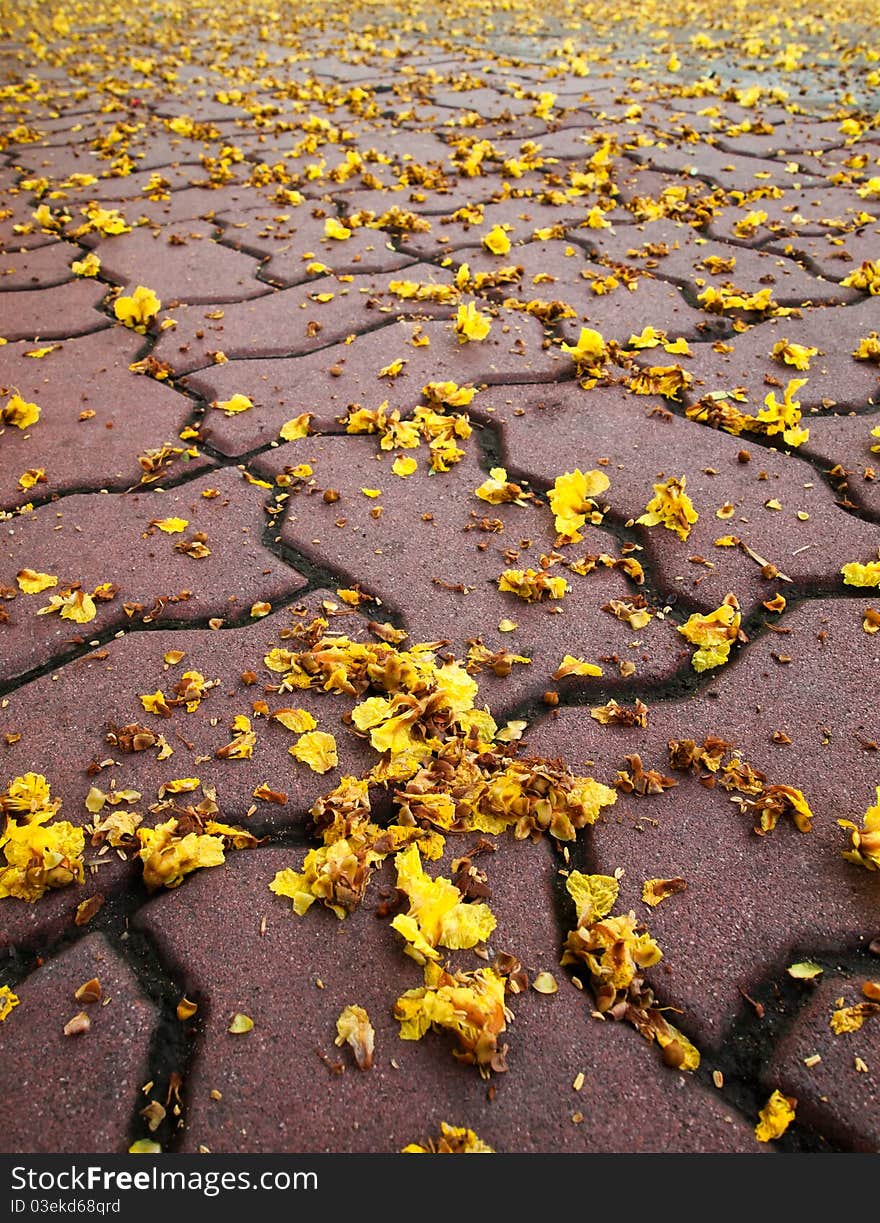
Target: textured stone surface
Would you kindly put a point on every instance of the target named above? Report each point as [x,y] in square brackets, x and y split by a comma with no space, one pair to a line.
[836,1094]
[183,261]
[633,160]
[77,1093]
[413,1086]
[679,253]
[298,320]
[834,377]
[645,447]
[86,541]
[751,902]
[115,416]
[53,313]
[47,265]
[326,382]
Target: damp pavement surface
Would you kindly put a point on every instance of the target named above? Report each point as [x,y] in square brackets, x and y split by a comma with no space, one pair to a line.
[439,586]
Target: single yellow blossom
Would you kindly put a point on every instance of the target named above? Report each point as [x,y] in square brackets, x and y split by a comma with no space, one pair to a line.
[19,413]
[672,507]
[470,324]
[496,241]
[714,633]
[317,749]
[775,1117]
[232,406]
[138,310]
[571,500]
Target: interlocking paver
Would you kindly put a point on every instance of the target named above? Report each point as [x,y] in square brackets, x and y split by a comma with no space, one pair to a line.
[834,378]
[679,253]
[55,313]
[325,383]
[317,315]
[277,299]
[80,1090]
[112,564]
[830,1075]
[410,1084]
[126,424]
[802,532]
[751,905]
[436,553]
[46,266]
[185,259]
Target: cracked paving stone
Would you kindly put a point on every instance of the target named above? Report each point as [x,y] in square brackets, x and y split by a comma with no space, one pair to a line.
[723,168]
[115,417]
[456,540]
[151,575]
[326,382]
[524,216]
[412,1086]
[55,313]
[60,161]
[296,321]
[751,902]
[844,445]
[645,445]
[674,159]
[181,263]
[191,203]
[77,1093]
[19,230]
[834,378]
[836,1096]
[809,211]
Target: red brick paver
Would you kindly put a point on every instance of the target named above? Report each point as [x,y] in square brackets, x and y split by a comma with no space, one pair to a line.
[428,457]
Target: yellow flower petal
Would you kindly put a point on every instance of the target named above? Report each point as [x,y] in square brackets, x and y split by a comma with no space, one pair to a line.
[31,582]
[470,324]
[496,241]
[404,465]
[775,1117]
[296,428]
[317,749]
[8,1000]
[237,403]
[138,310]
[19,413]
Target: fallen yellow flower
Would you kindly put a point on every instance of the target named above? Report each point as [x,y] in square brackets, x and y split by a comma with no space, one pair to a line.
[138,310]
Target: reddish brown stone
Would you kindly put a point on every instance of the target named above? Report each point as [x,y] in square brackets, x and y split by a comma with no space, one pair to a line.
[53,314]
[834,378]
[413,1086]
[645,445]
[434,556]
[326,382]
[78,1093]
[194,269]
[751,902]
[45,266]
[836,1093]
[688,261]
[295,321]
[87,540]
[115,416]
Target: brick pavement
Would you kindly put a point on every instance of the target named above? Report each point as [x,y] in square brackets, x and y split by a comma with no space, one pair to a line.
[439,586]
